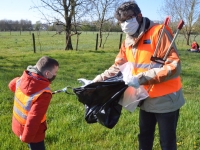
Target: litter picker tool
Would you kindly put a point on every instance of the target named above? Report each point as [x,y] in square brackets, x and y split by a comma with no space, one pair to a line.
[154,58]
[180,25]
[160,60]
[63,90]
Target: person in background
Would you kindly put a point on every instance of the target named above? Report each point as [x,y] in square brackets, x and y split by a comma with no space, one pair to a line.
[194,47]
[31,101]
[162,83]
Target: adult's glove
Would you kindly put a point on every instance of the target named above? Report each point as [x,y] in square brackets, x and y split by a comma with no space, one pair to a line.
[84,82]
[132,81]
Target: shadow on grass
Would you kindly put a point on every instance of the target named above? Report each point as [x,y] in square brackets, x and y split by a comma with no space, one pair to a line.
[97,51]
[49,139]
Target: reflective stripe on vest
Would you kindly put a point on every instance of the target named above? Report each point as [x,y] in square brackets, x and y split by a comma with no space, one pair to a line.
[140,57]
[23,103]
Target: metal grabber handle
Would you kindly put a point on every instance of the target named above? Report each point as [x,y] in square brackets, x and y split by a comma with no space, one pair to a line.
[166,22]
[154,58]
[180,25]
[65,90]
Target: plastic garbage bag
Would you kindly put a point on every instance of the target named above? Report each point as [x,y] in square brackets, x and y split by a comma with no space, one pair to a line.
[126,70]
[101,100]
[131,97]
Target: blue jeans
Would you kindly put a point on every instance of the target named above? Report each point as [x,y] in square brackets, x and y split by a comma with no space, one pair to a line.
[167,123]
[37,146]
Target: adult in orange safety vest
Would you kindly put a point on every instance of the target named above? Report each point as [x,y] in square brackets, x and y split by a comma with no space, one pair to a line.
[31,101]
[162,81]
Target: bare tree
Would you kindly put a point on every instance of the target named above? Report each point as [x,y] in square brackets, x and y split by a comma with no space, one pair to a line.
[63,12]
[196,29]
[187,10]
[102,12]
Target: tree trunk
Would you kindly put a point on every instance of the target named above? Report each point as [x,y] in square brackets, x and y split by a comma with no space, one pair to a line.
[188,39]
[68,36]
[100,34]
[100,38]
[68,42]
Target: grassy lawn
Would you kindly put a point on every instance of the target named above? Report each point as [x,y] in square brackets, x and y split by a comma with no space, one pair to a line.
[67,129]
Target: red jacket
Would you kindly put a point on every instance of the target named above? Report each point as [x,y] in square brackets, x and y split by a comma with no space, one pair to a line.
[195,45]
[33,131]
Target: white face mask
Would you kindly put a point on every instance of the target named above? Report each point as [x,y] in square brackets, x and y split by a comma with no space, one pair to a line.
[130,26]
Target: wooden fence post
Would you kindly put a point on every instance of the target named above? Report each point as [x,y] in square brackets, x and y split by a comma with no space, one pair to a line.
[33,36]
[77,38]
[97,41]
[120,41]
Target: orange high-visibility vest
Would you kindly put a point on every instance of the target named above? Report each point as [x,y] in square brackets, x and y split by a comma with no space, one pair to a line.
[23,103]
[141,60]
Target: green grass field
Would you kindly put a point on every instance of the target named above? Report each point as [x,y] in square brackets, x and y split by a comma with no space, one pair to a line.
[67,129]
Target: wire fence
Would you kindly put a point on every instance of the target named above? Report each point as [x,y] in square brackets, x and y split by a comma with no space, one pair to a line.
[50,40]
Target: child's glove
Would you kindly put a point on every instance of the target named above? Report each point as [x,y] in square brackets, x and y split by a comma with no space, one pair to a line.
[84,82]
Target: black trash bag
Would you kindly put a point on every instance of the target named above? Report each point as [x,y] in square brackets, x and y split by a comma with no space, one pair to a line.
[101,100]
